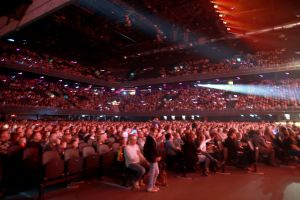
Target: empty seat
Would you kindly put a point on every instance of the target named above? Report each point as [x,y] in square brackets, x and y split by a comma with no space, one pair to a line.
[53,168]
[53,165]
[73,162]
[90,160]
[32,165]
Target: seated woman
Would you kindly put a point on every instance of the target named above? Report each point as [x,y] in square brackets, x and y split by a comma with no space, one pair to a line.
[133,159]
[203,155]
[290,144]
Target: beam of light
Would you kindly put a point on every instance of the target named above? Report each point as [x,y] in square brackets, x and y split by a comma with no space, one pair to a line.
[148,23]
[276,92]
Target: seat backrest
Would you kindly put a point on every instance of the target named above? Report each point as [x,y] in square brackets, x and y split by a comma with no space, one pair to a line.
[30,153]
[115,147]
[49,156]
[87,151]
[102,149]
[13,150]
[71,153]
[53,165]
[32,164]
[82,145]
[54,169]
[108,158]
[225,154]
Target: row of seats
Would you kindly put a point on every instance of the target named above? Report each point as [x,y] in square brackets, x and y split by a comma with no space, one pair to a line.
[34,167]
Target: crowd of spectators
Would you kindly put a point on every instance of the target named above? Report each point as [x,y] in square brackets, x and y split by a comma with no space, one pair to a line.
[237,63]
[190,143]
[242,62]
[21,90]
[24,56]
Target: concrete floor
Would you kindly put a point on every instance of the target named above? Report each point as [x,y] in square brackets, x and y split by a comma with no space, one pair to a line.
[277,183]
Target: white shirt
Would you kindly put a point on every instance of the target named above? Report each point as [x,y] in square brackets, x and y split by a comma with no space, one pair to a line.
[202,146]
[131,154]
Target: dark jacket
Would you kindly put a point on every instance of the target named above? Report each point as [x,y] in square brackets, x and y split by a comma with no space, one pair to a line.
[150,149]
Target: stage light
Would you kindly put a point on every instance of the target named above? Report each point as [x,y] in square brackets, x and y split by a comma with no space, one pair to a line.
[230,82]
[10,40]
[228,29]
[224,22]
[216,6]
[221,15]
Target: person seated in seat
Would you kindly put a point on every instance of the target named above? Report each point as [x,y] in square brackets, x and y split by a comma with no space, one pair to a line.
[53,143]
[101,146]
[263,147]
[173,153]
[189,150]
[290,144]
[67,137]
[231,144]
[4,146]
[36,139]
[133,159]
[202,144]
[74,144]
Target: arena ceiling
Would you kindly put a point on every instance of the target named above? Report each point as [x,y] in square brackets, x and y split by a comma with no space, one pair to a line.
[141,33]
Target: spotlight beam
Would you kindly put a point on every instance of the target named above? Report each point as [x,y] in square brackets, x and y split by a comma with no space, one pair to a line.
[275,92]
[147,23]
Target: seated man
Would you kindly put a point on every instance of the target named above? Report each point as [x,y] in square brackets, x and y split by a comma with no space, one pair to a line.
[133,158]
[173,153]
[263,147]
[231,144]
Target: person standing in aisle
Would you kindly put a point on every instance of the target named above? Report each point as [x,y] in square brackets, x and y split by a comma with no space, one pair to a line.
[153,157]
